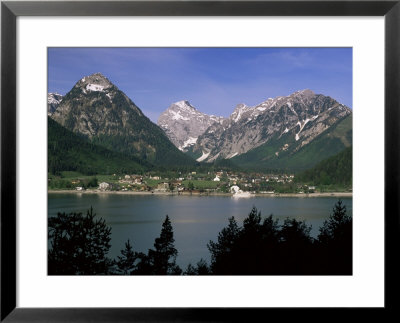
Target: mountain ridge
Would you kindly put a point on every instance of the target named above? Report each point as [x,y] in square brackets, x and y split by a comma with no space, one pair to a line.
[303,114]
[293,121]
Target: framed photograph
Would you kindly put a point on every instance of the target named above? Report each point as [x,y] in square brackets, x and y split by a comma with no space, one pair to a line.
[193,152]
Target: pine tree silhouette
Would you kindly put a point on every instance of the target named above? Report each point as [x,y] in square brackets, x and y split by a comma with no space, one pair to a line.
[163,257]
[78,244]
[126,262]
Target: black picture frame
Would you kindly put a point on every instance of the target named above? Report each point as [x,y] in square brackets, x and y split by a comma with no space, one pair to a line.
[10,10]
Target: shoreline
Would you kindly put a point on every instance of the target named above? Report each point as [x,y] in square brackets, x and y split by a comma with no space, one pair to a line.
[270,195]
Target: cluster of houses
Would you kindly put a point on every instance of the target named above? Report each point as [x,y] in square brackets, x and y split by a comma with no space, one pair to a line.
[248,182]
[132,179]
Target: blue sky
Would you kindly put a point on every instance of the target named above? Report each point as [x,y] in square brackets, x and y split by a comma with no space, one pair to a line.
[213,80]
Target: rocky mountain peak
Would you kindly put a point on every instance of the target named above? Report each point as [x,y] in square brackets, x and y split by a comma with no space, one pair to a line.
[181,110]
[90,107]
[303,95]
[305,92]
[240,109]
[183,123]
[54,97]
[183,105]
[95,82]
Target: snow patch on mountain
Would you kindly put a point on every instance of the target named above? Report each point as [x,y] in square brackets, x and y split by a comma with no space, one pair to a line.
[301,128]
[190,142]
[203,157]
[95,87]
[177,116]
[54,98]
[53,101]
[184,105]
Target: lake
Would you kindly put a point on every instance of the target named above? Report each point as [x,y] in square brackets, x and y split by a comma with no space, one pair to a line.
[195,219]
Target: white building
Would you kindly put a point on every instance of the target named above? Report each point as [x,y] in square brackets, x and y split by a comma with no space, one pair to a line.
[103,186]
[216,179]
[235,189]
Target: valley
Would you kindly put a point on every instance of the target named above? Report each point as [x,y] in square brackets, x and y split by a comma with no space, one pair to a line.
[98,135]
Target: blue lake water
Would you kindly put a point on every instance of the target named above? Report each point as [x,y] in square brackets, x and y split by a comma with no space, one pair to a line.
[195,219]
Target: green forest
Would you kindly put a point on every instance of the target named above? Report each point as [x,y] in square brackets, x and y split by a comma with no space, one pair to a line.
[68,151]
[336,170]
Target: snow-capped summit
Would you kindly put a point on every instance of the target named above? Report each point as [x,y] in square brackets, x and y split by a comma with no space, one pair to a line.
[183,124]
[96,82]
[53,100]
[183,105]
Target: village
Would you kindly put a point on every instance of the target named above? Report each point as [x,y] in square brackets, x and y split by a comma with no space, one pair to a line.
[224,182]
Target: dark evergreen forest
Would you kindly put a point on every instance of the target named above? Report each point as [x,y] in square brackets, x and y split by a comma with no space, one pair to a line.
[68,151]
[337,169]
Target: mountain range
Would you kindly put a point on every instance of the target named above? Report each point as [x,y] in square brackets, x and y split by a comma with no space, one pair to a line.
[292,132]
[268,135]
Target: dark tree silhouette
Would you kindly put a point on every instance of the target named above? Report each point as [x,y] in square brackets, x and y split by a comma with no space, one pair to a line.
[250,247]
[144,265]
[262,247]
[270,230]
[163,257]
[201,268]
[221,251]
[295,248]
[337,227]
[190,270]
[267,247]
[294,231]
[335,241]
[126,262]
[252,222]
[78,244]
